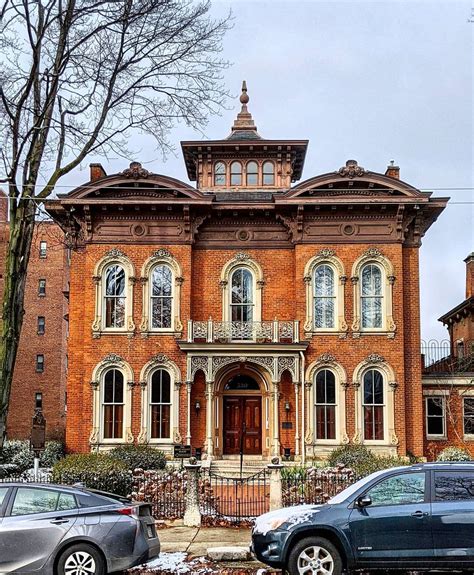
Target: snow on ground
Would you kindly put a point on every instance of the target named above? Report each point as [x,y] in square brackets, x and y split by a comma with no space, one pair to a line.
[177,563]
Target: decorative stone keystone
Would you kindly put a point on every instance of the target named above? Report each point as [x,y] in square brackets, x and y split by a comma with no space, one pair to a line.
[192,515]
[276,499]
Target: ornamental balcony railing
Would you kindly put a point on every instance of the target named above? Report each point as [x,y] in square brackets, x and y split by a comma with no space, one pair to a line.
[243,331]
[443,358]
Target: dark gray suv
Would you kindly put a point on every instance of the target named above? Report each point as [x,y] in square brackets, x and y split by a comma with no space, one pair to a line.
[46,529]
[416,517]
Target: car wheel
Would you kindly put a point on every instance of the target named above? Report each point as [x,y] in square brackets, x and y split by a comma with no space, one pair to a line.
[81,559]
[314,556]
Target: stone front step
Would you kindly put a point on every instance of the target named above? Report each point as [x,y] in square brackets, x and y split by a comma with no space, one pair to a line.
[231,467]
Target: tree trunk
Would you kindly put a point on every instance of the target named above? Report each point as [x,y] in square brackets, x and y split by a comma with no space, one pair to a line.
[18,254]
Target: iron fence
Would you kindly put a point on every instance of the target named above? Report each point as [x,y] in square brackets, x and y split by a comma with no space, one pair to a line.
[312,486]
[442,357]
[234,498]
[164,490]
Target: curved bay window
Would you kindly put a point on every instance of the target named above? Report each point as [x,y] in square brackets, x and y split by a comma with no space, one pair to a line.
[114,296]
[242,301]
[252,173]
[161,297]
[268,174]
[373,405]
[160,405]
[219,174]
[236,174]
[325,404]
[324,291]
[113,404]
[371,297]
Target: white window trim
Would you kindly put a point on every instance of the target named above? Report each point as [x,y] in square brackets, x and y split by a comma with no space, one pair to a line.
[113,257]
[374,256]
[467,436]
[161,257]
[111,361]
[442,396]
[325,257]
[160,361]
[327,361]
[390,386]
[242,260]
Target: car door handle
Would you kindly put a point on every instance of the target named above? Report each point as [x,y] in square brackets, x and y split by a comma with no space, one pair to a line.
[419,514]
[59,520]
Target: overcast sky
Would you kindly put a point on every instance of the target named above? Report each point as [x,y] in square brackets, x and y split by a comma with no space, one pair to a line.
[371,81]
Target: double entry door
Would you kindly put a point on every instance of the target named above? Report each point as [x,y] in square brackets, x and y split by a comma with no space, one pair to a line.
[242,425]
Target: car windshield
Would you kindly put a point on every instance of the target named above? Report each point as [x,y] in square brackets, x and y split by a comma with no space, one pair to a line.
[349,491]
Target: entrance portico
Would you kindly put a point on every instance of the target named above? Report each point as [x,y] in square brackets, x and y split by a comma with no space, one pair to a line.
[244,398]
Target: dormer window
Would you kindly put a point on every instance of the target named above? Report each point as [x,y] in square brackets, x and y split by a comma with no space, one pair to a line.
[268,174]
[252,173]
[219,174]
[236,174]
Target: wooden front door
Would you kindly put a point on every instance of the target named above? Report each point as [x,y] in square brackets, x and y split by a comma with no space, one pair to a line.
[242,425]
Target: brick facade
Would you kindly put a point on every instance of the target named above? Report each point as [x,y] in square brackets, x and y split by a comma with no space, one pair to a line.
[448,377]
[52,344]
[347,219]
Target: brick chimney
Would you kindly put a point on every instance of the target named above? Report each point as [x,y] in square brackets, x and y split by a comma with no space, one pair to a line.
[3,206]
[97,172]
[393,171]
[469,275]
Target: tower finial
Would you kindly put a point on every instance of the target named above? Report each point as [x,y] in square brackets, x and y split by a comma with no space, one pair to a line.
[244,122]
[244,98]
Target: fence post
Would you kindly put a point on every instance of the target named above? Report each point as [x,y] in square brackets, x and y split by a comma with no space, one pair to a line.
[192,514]
[276,495]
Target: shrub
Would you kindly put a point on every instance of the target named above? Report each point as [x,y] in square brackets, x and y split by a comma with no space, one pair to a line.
[18,453]
[53,452]
[454,454]
[362,460]
[353,456]
[96,471]
[139,457]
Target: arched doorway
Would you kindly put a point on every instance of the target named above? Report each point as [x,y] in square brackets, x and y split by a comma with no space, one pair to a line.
[242,416]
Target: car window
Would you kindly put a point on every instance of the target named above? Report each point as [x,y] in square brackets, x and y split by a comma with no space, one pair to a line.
[91,500]
[66,501]
[30,500]
[454,486]
[3,492]
[399,490]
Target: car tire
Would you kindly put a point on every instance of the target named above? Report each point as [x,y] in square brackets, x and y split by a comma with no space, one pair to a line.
[86,557]
[315,552]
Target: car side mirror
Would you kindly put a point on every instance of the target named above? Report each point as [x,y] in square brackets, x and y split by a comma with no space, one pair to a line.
[364,501]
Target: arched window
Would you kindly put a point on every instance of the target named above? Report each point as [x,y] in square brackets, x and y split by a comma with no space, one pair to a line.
[325,404]
[161,297]
[236,174]
[252,173]
[268,174]
[160,405]
[242,297]
[371,297]
[113,404]
[219,174]
[324,291]
[114,296]
[373,404]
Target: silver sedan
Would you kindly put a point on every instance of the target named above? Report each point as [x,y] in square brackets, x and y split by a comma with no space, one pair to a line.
[47,529]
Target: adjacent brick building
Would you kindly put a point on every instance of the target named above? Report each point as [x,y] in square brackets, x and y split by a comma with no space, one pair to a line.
[249,312]
[448,378]
[40,370]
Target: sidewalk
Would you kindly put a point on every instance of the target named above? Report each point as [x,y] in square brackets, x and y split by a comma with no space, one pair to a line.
[196,540]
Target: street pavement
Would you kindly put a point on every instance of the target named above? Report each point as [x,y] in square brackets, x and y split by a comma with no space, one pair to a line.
[196,540]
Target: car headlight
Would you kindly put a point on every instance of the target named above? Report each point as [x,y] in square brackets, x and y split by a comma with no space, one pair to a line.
[291,515]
